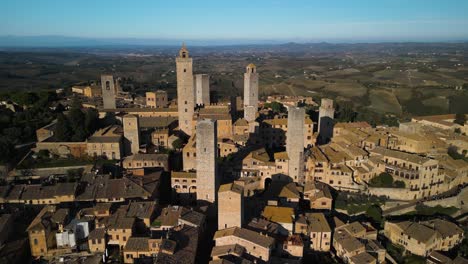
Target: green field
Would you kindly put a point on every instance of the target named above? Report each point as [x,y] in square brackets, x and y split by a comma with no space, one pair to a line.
[384,101]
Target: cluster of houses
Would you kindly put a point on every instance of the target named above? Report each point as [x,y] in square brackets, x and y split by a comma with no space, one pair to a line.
[262,182]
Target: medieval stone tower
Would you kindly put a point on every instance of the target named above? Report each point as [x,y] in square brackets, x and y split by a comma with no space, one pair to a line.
[131,134]
[230,206]
[250,92]
[185,90]
[295,143]
[206,149]
[202,89]
[109,91]
[325,122]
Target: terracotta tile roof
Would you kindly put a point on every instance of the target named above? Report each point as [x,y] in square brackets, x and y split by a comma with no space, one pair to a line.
[242,233]
[231,187]
[317,222]
[97,233]
[278,214]
[281,155]
[348,242]
[363,258]
[183,174]
[414,158]
[234,249]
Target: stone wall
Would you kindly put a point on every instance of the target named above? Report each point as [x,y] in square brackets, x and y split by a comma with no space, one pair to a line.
[63,149]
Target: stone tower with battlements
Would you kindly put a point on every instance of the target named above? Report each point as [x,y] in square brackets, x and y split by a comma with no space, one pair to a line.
[250,92]
[230,206]
[109,91]
[131,134]
[295,143]
[207,151]
[325,122]
[202,89]
[185,90]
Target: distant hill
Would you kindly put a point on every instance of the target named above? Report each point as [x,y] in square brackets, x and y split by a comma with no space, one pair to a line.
[127,45]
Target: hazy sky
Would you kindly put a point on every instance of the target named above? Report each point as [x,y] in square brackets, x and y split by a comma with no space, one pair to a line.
[295,20]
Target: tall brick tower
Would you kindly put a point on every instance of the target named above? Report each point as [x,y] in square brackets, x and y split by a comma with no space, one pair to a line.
[250,92]
[131,134]
[207,151]
[325,122]
[109,91]
[185,90]
[295,143]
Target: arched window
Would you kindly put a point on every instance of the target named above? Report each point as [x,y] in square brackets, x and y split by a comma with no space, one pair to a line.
[107,85]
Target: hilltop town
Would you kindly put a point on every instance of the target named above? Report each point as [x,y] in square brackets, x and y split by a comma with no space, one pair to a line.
[116,177]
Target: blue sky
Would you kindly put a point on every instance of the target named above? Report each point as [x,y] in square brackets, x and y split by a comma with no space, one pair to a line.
[300,20]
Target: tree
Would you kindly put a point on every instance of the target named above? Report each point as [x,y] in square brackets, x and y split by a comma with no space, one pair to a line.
[383,180]
[76,116]
[91,121]
[63,130]
[25,98]
[43,154]
[276,107]
[177,144]
[6,149]
[463,251]
[452,151]
[399,184]
[375,213]
[79,134]
[346,112]
[460,119]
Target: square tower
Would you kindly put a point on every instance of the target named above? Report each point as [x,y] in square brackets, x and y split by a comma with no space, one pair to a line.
[131,134]
[250,90]
[325,122]
[185,90]
[202,89]
[295,143]
[206,146]
[108,91]
[230,206]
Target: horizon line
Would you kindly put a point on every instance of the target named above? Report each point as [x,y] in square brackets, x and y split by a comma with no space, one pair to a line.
[120,41]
